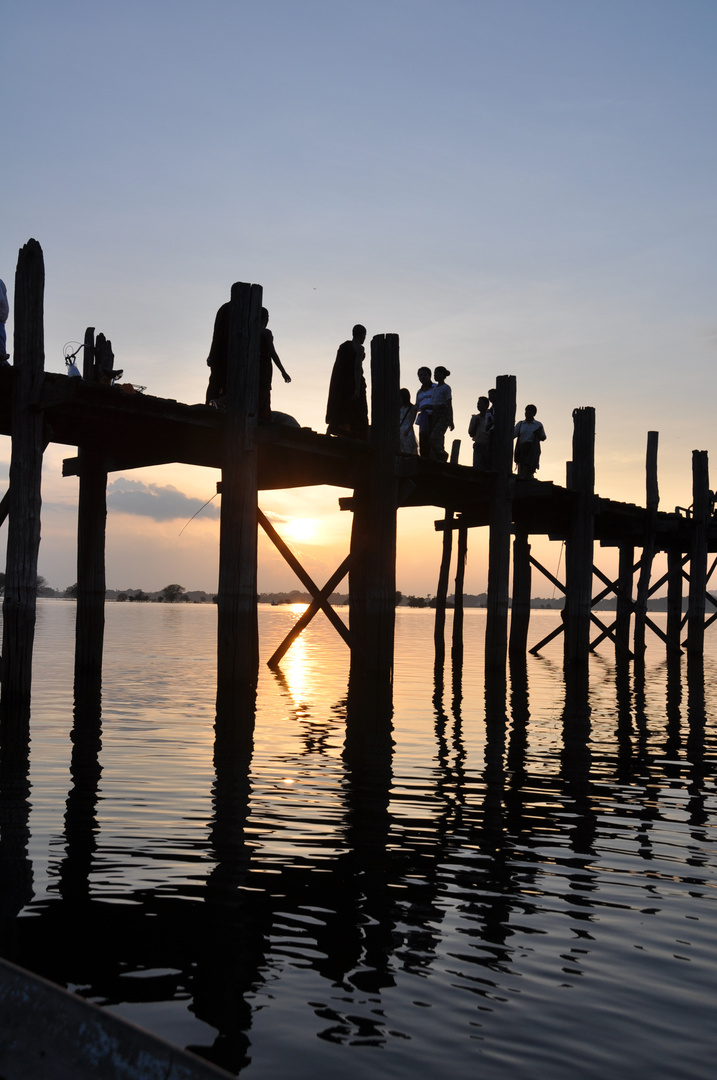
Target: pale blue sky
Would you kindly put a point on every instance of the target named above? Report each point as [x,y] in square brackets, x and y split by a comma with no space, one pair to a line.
[517,186]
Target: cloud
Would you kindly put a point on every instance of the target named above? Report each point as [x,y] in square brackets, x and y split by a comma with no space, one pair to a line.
[156,501]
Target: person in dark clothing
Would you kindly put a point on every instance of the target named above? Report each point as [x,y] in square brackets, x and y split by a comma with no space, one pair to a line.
[267,357]
[347,408]
[217,361]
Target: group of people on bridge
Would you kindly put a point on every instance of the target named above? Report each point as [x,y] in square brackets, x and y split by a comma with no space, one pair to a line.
[347,406]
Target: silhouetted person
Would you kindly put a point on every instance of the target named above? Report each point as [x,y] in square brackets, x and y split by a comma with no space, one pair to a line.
[217,361]
[424,409]
[529,433]
[407,417]
[347,409]
[268,356]
[442,414]
[480,434]
[4,312]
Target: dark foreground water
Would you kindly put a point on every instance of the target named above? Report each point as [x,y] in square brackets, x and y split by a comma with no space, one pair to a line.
[529,899]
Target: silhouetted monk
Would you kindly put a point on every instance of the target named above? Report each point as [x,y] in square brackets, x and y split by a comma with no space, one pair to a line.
[217,361]
[347,409]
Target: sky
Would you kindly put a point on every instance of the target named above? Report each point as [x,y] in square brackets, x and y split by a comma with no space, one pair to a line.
[511,186]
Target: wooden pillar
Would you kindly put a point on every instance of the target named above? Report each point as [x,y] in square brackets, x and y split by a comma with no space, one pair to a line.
[23,541]
[501,511]
[520,609]
[579,545]
[624,598]
[457,639]
[674,600]
[648,546]
[91,529]
[698,553]
[442,590]
[372,579]
[237,626]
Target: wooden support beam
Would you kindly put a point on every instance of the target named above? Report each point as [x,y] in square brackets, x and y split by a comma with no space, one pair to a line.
[501,512]
[238,635]
[675,562]
[316,605]
[91,529]
[579,545]
[553,580]
[626,562]
[520,608]
[442,588]
[23,541]
[648,546]
[457,639]
[698,553]
[372,577]
[319,596]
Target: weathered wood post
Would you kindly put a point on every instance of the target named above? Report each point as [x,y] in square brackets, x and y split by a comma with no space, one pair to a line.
[674,600]
[520,607]
[372,578]
[23,540]
[579,545]
[623,611]
[501,512]
[91,530]
[439,624]
[698,553]
[457,637]
[237,626]
[648,547]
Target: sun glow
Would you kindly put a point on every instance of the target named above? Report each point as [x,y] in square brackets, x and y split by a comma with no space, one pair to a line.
[300,529]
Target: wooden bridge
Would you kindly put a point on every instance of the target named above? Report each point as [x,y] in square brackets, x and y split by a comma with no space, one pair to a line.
[114,431]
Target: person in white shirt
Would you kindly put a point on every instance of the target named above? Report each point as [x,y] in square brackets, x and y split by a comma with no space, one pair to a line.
[529,433]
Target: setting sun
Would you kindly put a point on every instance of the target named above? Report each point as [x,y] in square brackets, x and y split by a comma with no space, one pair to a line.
[299,529]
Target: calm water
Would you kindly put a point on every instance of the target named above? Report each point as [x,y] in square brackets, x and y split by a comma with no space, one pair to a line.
[534,899]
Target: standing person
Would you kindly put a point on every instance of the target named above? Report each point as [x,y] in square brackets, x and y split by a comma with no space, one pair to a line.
[217,361]
[480,434]
[529,433]
[442,414]
[4,312]
[347,408]
[267,356]
[424,409]
[407,416]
